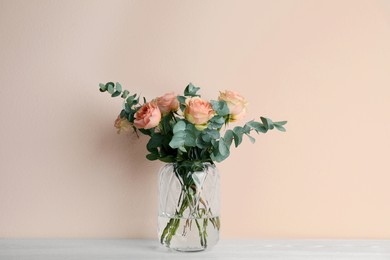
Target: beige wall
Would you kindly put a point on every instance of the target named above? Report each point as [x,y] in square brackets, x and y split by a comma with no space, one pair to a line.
[321,65]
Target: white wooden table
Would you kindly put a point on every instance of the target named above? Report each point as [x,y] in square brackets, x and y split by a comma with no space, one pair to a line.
[113,249]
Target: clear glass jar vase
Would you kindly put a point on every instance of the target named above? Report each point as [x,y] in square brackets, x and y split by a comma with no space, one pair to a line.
[189,206]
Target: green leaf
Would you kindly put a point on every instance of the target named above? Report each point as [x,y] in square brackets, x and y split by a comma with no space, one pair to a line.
[267,123]
[223,149]
[216,122]
[178,140]
[179,126]
[247,129]
[191,90]
[238,132]
[220,107]
[253,140]
[110,87]
[201,143]
[181,99]
[192,128]
[280,123]
[144,131]
[206,137]
[102,87]
[115,94]
[167,159]
[152,157]
[118,87]
[130,99]
[125,94]
[155,141]
[123,114]
[127,108]
[228,137]
[280,128]
[166,124]
[189,139]
[237,139]
[257,126]
[214,134]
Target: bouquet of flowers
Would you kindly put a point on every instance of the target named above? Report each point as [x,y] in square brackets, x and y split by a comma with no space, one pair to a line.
[189,132]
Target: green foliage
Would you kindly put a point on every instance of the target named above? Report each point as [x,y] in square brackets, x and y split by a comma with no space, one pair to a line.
[182,101]
[220,107]
[125,94]
[190,91]
[177,140]
[216,122]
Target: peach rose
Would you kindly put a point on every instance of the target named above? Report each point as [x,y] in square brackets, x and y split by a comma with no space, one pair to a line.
[198,112]
[168,103]
[148,116]
[236,104]
[122,124]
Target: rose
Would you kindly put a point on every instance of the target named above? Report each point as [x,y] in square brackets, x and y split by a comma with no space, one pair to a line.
[198,112]
[122,124]
[236,103]
[148,116]
[168,103]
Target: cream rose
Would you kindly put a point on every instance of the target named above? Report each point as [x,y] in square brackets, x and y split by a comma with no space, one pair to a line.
[168,103]
[148,116]
[198,112]
[236,103]
[122,124]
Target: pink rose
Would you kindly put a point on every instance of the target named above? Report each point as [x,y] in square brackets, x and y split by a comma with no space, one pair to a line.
[198,112]
[148,116]
[236,104]
[168,103]
[122,124]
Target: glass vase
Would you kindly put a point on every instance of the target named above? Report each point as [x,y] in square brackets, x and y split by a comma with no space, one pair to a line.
[189,206]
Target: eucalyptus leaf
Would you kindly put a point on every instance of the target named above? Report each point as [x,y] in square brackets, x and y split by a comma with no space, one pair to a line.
[155,141]
[253,140]
[167,159]
[125,94]
[267,123]
[223,149]
[179,126]
[280,128]
[220,107]
[189,139]
[206,137]
[280,123]
[237,139]
[238,132]
[102,87]
[127,108]
[181,99]
[110,87]
[257,126]
[214,134]
[123,114]
[115,94]
[190,91]
[200,143]
[118,87]
[152,157]
[178,139]
[228,137]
